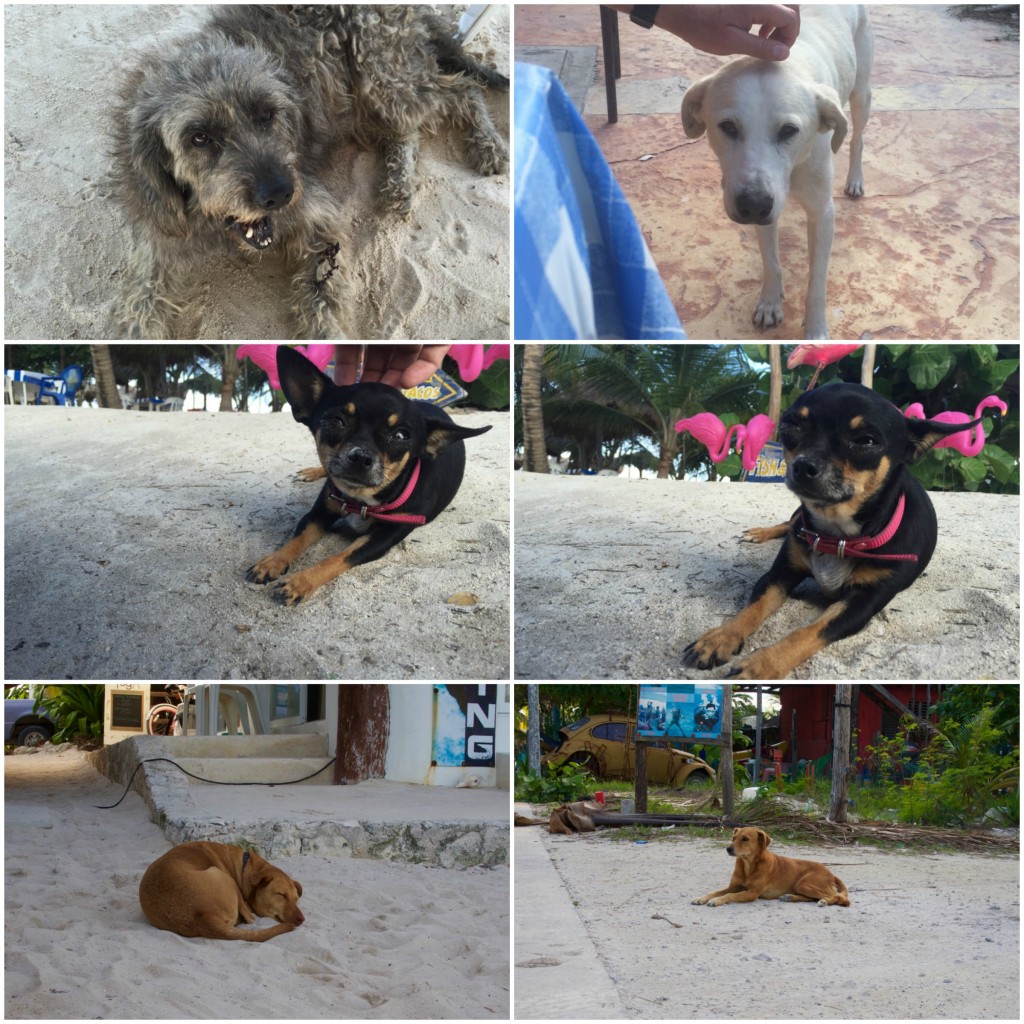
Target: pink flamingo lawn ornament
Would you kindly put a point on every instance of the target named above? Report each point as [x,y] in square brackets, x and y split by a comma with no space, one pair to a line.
[819,356]
[963,442]
[712,433]
[472,360]
[265,357]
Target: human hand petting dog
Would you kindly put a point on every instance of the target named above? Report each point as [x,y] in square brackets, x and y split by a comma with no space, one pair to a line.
[724,29]
[401,366]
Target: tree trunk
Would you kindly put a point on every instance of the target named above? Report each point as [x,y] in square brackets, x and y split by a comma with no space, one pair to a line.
[228,376]
[533,415]
[106,385]
[364,713]
[775,387]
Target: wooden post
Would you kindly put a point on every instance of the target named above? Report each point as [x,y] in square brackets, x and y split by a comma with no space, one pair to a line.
[725,758]
[533,729]
[640,777]
[840,754]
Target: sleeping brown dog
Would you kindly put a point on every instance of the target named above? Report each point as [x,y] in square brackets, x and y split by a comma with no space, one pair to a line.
[760,874]
[202,890]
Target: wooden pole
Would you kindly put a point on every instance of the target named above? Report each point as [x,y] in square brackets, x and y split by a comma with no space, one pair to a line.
[725,760]
[840,754]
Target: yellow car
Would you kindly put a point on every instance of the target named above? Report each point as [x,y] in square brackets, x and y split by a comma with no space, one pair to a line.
[603,744]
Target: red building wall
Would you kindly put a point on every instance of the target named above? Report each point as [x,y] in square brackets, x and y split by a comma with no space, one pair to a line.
[813,705]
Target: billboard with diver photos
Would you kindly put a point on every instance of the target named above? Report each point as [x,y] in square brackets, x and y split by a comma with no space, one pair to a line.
[680,711]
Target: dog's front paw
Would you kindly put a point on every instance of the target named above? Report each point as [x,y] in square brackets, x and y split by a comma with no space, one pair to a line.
[310,473]
[699,901]
[717,902]
[715,647]
[267,569]
[294,590]
[767,663]
[768,312]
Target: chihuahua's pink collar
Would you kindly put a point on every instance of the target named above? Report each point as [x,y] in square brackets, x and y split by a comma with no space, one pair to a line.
[385,513]
[857,547]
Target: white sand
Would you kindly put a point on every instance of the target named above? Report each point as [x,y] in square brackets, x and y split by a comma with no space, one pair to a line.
[128,535]
[381,940]
[927,936]
[441,274]
[615,577]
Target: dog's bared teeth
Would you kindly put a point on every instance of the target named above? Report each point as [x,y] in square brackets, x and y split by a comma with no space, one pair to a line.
[249,233]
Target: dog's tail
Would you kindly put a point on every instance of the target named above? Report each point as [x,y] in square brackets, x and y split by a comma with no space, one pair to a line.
[457,60]
[452,59]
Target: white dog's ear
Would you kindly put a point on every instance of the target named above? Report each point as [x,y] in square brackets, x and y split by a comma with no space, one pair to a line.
[831,117]
[693,102]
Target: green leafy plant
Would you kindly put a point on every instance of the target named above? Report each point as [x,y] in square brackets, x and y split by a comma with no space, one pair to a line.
[76,710]
[555,784]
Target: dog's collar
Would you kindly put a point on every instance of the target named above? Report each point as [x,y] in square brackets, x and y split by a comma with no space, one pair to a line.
[385,513]
[856,547]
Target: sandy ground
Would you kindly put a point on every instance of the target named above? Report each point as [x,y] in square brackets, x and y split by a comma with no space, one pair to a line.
[615,577]
[443,273]
[128,535]
[927,936]
[381,940]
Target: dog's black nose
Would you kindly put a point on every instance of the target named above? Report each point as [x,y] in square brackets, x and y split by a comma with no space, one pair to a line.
[275,193]
[360,458]
[804,469]
[754,207]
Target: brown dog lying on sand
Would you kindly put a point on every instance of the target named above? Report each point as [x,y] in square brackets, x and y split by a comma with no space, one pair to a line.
[204,889]
[762,875]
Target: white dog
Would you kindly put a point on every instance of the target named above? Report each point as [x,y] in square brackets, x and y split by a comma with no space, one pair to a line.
[774,127]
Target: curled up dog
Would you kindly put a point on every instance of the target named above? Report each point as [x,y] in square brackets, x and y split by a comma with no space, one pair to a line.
[203,890]
[224,138]
[391,465]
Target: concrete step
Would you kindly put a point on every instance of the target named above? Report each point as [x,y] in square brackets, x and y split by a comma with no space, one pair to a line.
[257,769]
[306,744]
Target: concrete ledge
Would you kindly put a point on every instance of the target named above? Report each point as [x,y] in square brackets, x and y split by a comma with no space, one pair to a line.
[441,826]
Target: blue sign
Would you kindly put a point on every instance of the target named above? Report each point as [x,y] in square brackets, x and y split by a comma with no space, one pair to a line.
[770,467]
[681,711]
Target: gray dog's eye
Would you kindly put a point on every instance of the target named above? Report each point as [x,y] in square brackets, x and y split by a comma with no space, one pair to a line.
[787,131]
[200,140]
[729,128]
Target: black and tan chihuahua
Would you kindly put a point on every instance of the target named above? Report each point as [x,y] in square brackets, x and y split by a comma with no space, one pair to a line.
[391,465]
[865,529]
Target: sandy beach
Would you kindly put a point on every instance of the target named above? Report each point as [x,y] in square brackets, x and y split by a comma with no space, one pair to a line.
[386,941]
[441,274]
[615,577]
[128,535]
[928,936]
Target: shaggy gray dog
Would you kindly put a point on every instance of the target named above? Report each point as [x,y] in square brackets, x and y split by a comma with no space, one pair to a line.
[225,135]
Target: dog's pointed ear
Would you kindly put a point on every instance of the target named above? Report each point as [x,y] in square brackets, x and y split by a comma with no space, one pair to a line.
[765,839]
[302,383]
[692,114]
[298,886]
[831,117]
[442,432]
[926,434]
[142,170]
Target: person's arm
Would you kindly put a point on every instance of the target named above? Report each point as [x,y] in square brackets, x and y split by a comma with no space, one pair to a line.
[724,29]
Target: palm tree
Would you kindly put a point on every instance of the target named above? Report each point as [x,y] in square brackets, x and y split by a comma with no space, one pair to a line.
[533,415]
[643,390]
[103,366]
